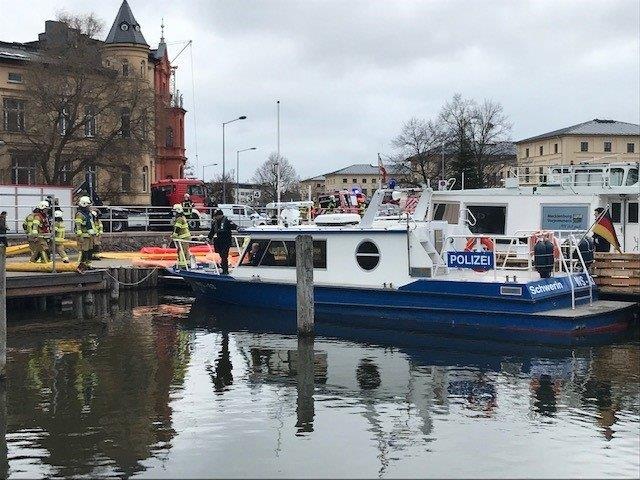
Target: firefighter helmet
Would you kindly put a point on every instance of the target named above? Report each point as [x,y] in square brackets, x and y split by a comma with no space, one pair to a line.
[84,201]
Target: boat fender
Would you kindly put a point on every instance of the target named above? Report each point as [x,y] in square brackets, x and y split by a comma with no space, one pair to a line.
[544,235]
[543,258]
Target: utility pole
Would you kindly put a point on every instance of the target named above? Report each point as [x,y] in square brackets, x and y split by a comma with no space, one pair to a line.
[279,161]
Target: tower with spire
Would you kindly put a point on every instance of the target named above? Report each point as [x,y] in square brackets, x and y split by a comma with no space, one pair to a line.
[126,50]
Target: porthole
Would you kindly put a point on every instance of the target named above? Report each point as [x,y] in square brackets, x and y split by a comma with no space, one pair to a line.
[367,255]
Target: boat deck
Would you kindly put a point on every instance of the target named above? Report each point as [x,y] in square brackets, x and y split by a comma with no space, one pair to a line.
[597,308]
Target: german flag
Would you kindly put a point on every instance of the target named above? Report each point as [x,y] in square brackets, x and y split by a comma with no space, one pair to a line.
[604,228]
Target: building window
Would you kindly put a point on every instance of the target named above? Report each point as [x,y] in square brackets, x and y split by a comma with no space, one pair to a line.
[125,123]
[169,137]
[145,179]
[13,110]
[607,146]
[63,122]
[344,180]
[526,153]
[584,146]
[541,150]
[555,148]
[631,147]
[125,68]
[143,69]
[66,177]
[364,180]
[23,169]
[90,121]
[367,255]
[126,178]
[15,77]
[542,178]
[526,174]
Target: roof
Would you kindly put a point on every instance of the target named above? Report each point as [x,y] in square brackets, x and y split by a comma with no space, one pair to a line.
[358,169]
[125,28]
[17,52]
[318,178]
[592,127]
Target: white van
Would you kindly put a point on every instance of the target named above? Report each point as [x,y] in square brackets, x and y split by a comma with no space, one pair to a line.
[242,215]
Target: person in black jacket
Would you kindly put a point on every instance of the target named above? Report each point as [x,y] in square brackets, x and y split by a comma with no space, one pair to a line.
[3,228]
[221,228]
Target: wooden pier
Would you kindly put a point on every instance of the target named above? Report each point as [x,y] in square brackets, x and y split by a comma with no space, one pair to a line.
[104,277]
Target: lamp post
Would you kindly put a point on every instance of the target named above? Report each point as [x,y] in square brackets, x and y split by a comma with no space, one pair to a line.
[208,165]
[224,183]
[238,170]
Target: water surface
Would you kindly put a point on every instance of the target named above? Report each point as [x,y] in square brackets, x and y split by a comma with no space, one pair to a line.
[168,390]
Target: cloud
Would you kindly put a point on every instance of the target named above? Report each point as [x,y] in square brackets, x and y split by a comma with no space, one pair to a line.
[348,73]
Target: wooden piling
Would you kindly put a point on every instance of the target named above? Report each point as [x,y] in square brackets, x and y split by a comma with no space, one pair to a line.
[3,311]
[304,279]
[305,384]
[114,293]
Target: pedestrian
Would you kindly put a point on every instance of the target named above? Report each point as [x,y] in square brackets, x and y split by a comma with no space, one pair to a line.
[85,233]
[221,229]
[59,234]
[99,230]
[180,233]
[41,232]
[3,228]
[187,205]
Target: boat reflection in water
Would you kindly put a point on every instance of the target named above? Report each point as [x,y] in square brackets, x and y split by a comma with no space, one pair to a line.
[178,390]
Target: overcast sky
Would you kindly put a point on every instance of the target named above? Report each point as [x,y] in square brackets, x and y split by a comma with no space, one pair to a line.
[349,73]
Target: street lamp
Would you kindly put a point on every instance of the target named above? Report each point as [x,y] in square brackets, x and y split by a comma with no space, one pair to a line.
[208,165]
[224,183]
[238,170]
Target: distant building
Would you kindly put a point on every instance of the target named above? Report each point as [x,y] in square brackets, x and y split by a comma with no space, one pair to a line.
[124,51]
[595,141]
[364,176]
[312,187]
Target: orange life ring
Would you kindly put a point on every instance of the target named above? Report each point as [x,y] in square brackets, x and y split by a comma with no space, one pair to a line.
[486,242]
[544,235]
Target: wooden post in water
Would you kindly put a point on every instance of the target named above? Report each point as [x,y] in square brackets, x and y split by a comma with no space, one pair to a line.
[3,311]
[115,285]
[304,277]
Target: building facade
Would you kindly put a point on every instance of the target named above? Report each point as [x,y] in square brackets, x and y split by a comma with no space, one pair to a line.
[127,55]
[595,141]
[311,188]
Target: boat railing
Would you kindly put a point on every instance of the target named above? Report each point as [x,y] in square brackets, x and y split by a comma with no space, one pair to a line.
[185,260]
[571,263]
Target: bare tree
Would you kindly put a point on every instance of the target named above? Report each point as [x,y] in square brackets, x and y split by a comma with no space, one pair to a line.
[219,181]
[266,175]
[81,114]
[416,160]
[472,130]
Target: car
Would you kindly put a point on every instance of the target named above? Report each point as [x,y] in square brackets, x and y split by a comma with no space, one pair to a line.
[242,215]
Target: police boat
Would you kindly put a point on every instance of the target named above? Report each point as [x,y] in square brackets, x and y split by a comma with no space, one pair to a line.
[416,273]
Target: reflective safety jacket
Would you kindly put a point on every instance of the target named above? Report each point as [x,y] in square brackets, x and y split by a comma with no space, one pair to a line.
[84,224]
[97,225]
[187,207]
[40,226]
[181,228]
[59,232]
[27,225]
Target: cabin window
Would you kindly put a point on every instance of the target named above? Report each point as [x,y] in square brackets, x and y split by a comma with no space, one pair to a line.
[615,177]
[632,176]
[632,215]
[367,255]
[281,253]
[616,212]
[488,219]
[447,211]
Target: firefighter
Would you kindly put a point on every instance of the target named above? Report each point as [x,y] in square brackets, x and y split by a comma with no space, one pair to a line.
[332,204]
[59,230]
[180,232]
[85,233]
[99,230]
[27,226]
[40,232]
[187,205]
